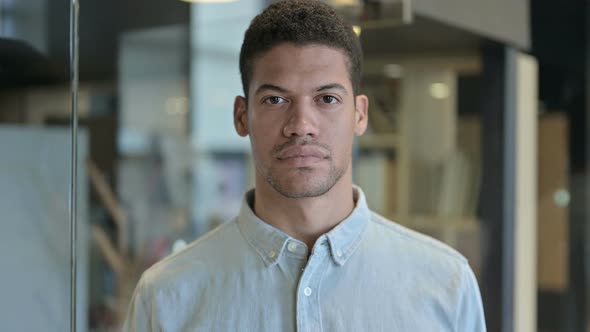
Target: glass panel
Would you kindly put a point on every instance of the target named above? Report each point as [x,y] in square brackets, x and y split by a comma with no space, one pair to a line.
[35,170]
[563,209]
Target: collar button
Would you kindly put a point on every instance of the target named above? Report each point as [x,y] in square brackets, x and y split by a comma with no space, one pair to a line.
[292,247]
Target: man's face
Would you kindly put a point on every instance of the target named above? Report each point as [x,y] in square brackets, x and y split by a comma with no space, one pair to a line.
[301,117]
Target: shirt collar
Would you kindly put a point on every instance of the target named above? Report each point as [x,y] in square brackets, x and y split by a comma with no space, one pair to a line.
[345,238]
[270,242]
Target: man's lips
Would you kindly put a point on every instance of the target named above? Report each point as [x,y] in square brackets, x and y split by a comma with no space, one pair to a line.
[301,156]
[301,152]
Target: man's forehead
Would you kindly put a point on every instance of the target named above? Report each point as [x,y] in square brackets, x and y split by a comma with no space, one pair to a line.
[314,65]
[302,51]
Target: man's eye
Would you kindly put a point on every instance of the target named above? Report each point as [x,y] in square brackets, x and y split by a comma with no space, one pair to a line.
[273,100]
[329,99]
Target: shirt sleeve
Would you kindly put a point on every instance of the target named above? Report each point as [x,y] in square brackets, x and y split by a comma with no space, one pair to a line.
[138,318]
[470,316]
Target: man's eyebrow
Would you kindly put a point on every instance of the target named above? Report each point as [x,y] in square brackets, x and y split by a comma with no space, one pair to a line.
[332,86]
[277,88]
[270,87]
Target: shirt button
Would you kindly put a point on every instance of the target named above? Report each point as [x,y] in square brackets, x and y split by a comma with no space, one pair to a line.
[272,254]
[338,253]
[292,247]
[307,291]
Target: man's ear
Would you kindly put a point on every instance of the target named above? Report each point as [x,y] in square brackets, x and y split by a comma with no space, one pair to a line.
[241,116]
[361,114]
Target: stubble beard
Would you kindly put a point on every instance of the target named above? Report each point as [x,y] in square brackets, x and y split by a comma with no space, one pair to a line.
[301,182]
[316,186]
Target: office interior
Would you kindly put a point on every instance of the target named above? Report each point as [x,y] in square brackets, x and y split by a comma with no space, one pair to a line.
[478,136]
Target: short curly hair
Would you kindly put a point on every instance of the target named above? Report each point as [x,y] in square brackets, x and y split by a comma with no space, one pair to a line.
[301,22]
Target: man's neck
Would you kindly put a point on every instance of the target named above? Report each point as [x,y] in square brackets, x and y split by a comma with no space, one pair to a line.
[305,219]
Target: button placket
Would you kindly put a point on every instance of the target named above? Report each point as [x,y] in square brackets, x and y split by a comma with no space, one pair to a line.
[308,310]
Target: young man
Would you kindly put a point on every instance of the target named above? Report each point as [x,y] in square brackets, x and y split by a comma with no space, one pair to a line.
[305,253]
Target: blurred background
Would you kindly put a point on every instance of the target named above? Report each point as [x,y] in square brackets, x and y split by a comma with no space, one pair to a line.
[479,137]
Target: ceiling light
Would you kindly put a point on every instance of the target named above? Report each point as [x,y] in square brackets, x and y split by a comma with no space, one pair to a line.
[393,70]
[344,3]
[439,90]
[357,29]
[561,198]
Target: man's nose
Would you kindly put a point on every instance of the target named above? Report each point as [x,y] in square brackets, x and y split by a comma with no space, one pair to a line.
[301,121]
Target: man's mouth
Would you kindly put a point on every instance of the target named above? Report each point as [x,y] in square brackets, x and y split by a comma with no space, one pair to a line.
[302,155]
[301,151]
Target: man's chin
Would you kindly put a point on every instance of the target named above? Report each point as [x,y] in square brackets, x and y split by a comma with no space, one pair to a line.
[303,182]
[302,193]
[302,190]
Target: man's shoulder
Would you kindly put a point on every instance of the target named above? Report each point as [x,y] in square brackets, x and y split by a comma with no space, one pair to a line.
[196,259]
[414,246]
[411,258]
